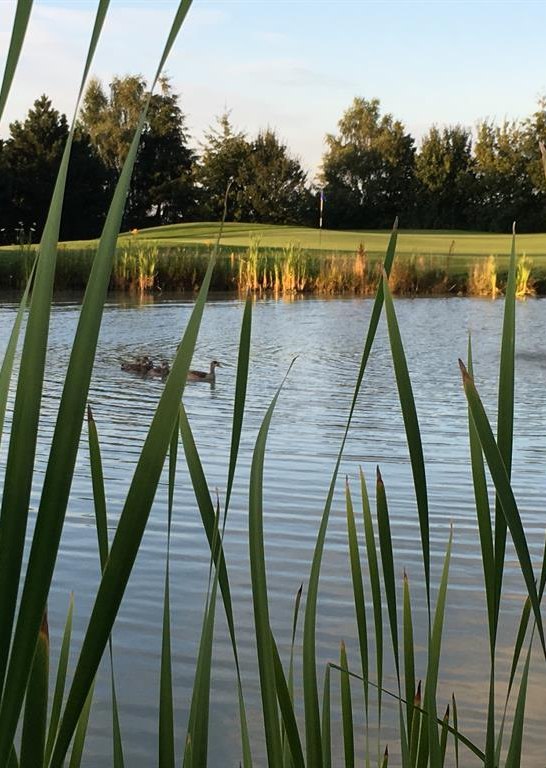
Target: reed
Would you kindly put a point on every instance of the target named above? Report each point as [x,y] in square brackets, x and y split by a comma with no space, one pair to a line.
[297,732]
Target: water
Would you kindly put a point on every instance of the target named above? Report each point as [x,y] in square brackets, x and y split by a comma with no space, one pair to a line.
[327,337]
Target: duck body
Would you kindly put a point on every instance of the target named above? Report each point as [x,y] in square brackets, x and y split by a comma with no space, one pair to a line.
[142,364]
[203,375]
[159,371]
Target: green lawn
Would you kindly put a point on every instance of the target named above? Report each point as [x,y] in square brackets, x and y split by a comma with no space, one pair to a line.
[424,243]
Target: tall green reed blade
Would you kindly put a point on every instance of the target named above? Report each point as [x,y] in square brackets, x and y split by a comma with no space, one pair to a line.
[287,759]
[310,685]
[461,737]
[520,638]
[101,521]
[409,658]
[358,598]
[346,710]
[434,661]
[81,730]
[483,514]
[387,559]
[456,730]
[286,706]
[504,493]
[33,737]
[513,759]
[66,437]
[60,681]
[198,724]
[22,446]
[415,726]
[385,762]
[413,433]
[505,414]
[18,32]
[206,509]
[326,722]
[264,640]
[9,356]
[443,740]
[375,584]
[166,756]
[131,526]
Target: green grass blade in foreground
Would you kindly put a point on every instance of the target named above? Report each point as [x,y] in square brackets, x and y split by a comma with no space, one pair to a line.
[310,684]
[385,762]
[415,725]
[434,661]
[101,521]
[20,23]
[505,414]
[346,710]
[287,762]
[60,681]
[413,433]
[22,445]
[359,601]
[131,526]
[166,755]
[443,740]
[206,510]
[35,718]
[264,642]
[240,395]
[326,725]
[456,730]
[81,730]
[66,437]
[504,493]
[483,514]
[513,759]
[462,738]
[287,711]
[375,584]
[409,657]
[9,355]
[520,638]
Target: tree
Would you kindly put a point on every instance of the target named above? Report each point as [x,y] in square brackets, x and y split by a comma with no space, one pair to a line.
[444,171]
[225,152]
[273,183]
[505,189]
[31,157]
[368,170]
[162,188]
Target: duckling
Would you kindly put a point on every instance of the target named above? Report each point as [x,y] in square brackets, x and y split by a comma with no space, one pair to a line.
[203,375]
[159,371]
[142,364]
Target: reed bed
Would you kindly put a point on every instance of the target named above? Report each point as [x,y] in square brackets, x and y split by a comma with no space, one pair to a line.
[297,731]
[152,268]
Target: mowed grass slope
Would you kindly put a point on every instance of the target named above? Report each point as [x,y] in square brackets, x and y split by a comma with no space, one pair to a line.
[459,245]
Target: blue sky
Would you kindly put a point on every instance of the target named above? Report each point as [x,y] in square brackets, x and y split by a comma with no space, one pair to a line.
[296,65]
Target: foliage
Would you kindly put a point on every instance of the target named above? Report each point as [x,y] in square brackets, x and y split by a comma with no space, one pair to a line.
[368,171]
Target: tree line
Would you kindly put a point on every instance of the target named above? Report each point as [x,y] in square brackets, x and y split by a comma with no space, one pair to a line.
[372,170]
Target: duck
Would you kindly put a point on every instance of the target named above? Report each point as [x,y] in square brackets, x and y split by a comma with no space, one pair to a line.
[142,364]
[159,371]
[203,375]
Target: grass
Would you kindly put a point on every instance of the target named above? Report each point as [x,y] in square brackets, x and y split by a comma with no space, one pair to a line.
[297,732]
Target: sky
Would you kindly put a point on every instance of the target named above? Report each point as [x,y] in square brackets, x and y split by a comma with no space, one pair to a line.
[296,65]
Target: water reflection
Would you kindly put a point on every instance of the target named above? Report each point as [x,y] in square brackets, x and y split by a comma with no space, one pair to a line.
[327,336]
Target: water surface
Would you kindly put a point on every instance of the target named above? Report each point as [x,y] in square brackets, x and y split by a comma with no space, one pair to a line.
[326,335]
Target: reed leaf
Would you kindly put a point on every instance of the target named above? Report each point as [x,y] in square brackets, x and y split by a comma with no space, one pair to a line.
[60,681]
[264,642]
[456,730]
[310,685]
[22,447]
[346,710]
[409,657]
[411,425]
[18,32]
[504,493]
[443,739]
[513,758]
[287,759]
[326,722]
[287,711]
[166,756]
[81,730]
[33,737]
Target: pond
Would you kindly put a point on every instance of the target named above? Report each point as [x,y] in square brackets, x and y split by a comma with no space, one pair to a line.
[326,335]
